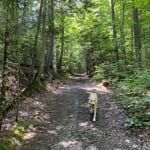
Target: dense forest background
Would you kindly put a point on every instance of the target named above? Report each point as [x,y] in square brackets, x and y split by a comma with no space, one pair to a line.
[49,39]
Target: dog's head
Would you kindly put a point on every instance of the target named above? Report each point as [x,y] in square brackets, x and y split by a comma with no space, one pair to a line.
[92,102]
[92,98]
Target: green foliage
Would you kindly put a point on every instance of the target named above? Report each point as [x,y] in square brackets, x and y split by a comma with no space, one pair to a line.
[137,83]
[108,71]
[5,145]
[19,132]
[133,122]
[22,127]
[111,70]
[135,98]
[16,135]
[130,122]
[99,73]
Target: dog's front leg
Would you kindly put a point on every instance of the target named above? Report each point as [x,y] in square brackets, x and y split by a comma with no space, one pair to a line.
[95,111]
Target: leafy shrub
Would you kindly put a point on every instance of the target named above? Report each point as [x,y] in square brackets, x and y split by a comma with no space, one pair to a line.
[108,71]
[5,145]
[99,73]
[133,95]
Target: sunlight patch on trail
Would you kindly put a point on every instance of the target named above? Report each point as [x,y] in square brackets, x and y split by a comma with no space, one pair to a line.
[85,124]
[53,132]
[39,104]
[66,144]
[92,147]
[29,135]
[94,87]
[59,128]
[83,82]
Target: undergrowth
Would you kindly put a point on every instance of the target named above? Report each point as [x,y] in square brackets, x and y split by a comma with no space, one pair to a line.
[134,93]
[16,135]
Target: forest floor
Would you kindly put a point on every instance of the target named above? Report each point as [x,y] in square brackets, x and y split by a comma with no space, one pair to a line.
[60,120]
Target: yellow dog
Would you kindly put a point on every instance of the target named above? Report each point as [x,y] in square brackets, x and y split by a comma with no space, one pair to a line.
[93,100]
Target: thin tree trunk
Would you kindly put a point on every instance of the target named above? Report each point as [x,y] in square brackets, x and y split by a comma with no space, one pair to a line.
[34,54]
[123,38]
[62,41]
[4,71]
[132,43]
[24,15]
[18,70]
[18,86]
[54,58]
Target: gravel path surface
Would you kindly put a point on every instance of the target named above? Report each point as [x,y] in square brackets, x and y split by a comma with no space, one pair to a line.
[64,121]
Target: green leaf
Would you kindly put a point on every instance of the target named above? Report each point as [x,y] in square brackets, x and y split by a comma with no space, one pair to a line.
[146,99]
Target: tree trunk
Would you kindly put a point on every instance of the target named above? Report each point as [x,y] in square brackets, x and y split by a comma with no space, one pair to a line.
[123,38]
[48,61]
[137,38]
[18,67]
[62,40]
[132,44]
[34,54]
[114,32]
[54,58]
[4,71]
[51,50]
[24,14]
[42,53]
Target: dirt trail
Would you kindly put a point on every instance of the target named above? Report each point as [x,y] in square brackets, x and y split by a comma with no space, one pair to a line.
[64,121]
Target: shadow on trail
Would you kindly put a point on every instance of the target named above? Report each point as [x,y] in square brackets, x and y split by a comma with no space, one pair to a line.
[67,124]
